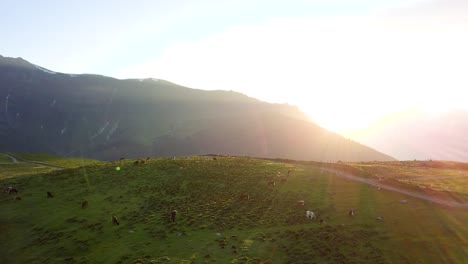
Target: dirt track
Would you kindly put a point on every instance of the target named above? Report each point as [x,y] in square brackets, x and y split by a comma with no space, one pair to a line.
[391,188]
[17,160]
[13,159]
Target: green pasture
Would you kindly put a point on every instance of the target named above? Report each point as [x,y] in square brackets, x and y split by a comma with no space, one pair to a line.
[213,224]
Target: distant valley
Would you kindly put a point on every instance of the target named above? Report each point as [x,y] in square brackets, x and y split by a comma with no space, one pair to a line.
[418,135]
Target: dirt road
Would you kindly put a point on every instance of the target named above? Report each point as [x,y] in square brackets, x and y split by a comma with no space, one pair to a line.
[391,188]
[17,160]
[13,159]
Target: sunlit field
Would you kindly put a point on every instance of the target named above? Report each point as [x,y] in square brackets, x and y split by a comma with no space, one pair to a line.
[443,176]
[214,225]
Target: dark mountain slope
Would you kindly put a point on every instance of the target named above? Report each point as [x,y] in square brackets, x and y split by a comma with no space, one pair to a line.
[106,118]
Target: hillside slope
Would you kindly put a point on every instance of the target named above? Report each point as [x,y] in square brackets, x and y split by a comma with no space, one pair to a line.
[105,118]
[213,223]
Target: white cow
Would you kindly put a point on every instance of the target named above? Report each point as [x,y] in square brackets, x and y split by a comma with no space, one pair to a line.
[310,214]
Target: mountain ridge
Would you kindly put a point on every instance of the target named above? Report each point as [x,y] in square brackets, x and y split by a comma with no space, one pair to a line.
[106,118]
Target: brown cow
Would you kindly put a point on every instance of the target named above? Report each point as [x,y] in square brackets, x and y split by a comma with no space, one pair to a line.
[84,204]
[115,221]
[173,215]
[283,180]
[301,203]
[271,183]
[245,197]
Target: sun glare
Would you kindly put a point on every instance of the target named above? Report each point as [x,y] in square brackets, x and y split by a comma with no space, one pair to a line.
[343,71]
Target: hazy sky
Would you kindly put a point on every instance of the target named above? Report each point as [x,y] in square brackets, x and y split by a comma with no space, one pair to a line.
[343,62]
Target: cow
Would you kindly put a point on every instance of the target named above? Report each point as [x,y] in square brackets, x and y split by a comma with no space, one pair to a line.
[289,172]
[271,183]
[214,158]
[301,203]
[245,197]
[284,180]
[380,218]
[310,214]
[84,204]
[50,195]
[115,221]
[173,215]
[352,212]
[11,190]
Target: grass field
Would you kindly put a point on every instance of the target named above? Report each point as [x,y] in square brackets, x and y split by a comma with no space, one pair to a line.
[213,224]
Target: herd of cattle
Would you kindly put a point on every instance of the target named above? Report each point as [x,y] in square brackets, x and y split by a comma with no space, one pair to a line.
[243,197]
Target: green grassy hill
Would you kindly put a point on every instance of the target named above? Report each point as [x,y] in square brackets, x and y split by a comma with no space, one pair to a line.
[213,224]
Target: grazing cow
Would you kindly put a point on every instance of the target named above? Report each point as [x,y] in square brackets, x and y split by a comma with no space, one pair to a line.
[173,215]
[136,162]
[271,183]
[49,195]
[289,172]
[352,212]
[245,197]
[115,221]
[84,204]
[11,190]
[310,214]
[300,203]
[283,180]
[214,158]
